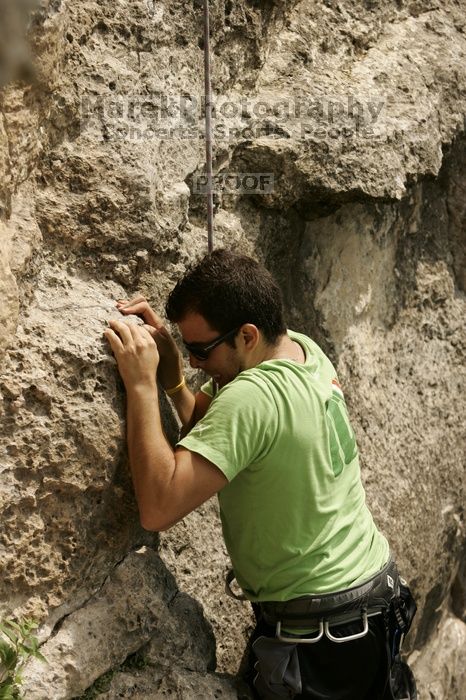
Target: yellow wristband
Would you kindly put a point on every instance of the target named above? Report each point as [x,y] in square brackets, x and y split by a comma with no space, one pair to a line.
[176,389]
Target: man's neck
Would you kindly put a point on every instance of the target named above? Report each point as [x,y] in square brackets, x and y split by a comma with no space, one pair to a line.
[285,349]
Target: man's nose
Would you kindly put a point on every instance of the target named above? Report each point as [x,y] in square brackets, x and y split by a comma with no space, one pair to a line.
[194,362]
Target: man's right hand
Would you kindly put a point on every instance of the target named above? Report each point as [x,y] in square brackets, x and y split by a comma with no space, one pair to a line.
[170,369]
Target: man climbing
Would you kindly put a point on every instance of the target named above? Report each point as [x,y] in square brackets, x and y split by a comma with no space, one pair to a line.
[270,434]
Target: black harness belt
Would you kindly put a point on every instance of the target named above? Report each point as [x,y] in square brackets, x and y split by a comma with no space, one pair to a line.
[321,612]
[337,616]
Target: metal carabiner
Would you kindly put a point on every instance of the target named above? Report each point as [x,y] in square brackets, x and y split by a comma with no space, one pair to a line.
[299,640]
[350,637]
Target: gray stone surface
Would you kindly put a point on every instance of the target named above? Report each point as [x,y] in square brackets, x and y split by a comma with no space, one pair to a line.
[138,602]
[65,485]
[15,53]
[445,650]
[176,684]
[364,230]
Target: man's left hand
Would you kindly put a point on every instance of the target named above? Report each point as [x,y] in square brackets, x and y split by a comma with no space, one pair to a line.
[136,353]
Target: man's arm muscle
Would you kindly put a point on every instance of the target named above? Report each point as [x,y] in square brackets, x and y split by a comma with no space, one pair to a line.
[195,480]
[168,484]
[201,404]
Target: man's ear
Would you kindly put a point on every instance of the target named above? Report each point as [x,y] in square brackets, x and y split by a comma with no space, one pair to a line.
[250,336]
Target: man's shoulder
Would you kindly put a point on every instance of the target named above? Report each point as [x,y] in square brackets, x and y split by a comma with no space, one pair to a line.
[305,340]
[316,359]
[252,382]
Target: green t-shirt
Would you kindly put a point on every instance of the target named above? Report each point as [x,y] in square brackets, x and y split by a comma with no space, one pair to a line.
[294,516]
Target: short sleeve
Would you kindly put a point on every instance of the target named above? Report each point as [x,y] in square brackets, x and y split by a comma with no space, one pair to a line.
[208,388]
[238,429]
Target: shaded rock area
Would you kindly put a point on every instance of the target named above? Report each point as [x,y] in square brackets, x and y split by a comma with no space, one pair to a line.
[444,650]
[137,603]
[157,682]
[355,113]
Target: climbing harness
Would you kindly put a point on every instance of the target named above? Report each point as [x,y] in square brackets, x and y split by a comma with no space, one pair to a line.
[323,612]
[398,620]
[331,615]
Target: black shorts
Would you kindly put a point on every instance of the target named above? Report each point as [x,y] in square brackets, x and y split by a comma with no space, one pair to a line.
[326,670]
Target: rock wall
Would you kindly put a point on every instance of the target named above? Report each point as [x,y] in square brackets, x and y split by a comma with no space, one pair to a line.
[356,112]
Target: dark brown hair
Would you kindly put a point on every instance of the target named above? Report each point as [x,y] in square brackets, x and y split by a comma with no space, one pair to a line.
[228,290]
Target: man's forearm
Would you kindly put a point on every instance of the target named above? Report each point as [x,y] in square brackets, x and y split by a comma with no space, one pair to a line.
[184,403]
[151,457]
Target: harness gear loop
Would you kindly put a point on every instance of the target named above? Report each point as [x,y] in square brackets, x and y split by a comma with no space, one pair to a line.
[229,578]
[294,640]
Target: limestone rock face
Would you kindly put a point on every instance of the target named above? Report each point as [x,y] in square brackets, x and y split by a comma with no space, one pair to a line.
[444,650]
[174,684]
[15,54]
[349,118]
[138,602]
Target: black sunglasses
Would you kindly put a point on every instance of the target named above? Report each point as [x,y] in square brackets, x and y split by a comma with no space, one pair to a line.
[201,351]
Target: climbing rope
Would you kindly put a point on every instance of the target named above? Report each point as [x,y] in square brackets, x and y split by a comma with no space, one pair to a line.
[208,140]
[208,128]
